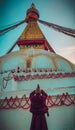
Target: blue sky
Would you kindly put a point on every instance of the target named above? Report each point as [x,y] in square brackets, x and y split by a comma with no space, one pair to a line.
[61,12]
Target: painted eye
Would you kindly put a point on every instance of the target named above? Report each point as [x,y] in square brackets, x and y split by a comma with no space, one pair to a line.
[35,45]
[27,46]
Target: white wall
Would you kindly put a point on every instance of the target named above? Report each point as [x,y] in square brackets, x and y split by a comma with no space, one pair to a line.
[61,118]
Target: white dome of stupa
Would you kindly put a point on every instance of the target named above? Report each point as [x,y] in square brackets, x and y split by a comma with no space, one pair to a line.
[36,59]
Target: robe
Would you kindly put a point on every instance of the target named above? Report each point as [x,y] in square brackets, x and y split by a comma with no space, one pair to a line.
[38,109]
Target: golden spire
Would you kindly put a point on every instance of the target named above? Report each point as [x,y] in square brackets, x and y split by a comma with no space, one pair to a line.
[32,36]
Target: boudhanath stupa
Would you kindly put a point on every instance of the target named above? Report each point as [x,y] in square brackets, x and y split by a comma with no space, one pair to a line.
[20,72]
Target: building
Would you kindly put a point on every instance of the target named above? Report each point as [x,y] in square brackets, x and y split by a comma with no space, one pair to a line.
[21,71]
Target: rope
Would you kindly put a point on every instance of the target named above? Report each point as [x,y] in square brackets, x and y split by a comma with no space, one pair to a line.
[3,31]
[65,99]
[67,31]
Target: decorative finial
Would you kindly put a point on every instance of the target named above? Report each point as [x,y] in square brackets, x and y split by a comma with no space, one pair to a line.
[32,14]
[33,5]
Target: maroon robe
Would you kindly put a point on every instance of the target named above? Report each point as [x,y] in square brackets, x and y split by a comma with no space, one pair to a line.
[38,110]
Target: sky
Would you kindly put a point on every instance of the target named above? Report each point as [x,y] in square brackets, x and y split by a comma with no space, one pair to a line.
[60,12]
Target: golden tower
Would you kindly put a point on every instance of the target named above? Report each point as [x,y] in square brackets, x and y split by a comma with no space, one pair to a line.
[32,36]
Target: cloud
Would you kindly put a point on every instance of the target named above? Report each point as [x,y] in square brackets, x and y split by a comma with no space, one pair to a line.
[68,53]
[67,50]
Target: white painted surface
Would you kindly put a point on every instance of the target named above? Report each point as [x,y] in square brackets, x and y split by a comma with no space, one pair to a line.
[61,118]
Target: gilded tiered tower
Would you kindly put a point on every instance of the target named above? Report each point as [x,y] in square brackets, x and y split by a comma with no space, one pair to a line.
[32,36]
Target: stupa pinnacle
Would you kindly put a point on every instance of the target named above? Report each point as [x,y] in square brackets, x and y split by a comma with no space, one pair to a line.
[32,13]
[32,36]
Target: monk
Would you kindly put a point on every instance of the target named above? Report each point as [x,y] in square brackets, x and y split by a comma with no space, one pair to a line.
[38,109]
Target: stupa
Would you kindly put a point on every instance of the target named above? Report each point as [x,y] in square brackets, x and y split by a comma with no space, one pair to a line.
[21,71]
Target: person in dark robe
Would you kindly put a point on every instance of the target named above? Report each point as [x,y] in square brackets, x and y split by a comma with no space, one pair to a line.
[38,109]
